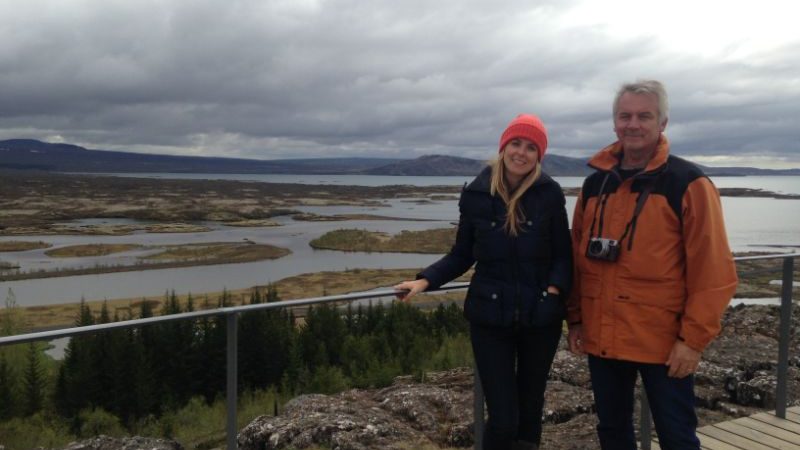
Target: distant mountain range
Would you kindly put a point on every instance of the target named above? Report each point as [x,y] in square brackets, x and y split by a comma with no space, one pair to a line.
[28,154]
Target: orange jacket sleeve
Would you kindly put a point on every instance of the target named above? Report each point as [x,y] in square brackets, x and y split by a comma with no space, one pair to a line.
[574,300]
[710,270]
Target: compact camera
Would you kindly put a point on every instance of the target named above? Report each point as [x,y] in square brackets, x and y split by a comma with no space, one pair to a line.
[603,249]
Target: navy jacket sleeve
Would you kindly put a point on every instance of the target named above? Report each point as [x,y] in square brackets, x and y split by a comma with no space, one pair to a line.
[561,266]
[457,261]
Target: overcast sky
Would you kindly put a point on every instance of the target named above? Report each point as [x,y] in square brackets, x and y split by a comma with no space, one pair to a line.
[396,78]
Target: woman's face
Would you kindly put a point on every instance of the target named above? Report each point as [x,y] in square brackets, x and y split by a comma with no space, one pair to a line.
[519,158]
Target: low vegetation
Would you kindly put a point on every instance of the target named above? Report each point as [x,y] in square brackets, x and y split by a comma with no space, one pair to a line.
[219,251]
[185,255]
[437,241]
[84,250]
[21,246]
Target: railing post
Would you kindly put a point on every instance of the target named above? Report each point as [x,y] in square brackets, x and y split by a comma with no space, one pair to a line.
[645,429]
[232,351]
[783,337]
[477,408]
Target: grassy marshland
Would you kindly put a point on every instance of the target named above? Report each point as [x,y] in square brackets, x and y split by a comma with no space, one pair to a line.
[349,240]
[21,246]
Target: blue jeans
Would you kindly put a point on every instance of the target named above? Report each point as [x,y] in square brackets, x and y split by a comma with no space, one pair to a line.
[671,403]
[513,363]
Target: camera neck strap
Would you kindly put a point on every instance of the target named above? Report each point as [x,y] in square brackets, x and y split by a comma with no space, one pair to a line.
[601,198]
[631,226]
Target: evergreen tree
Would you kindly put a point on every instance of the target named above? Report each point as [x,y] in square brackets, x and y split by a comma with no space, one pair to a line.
[350,319]
[7,382]
[102,365]
[252,342]
[356,357]
[272,293]
[189,303]
[322,336]
[140,396]
[295,377]
[170,353]
[34,383]
[207,357]
[74,383]
[10,322]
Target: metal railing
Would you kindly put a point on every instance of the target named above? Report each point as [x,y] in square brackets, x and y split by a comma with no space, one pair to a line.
[232,313]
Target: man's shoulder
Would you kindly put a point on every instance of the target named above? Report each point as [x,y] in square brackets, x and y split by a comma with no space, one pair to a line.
[684,170]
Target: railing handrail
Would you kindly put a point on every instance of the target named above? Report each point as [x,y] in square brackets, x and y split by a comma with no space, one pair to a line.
[769,256]
[224,311]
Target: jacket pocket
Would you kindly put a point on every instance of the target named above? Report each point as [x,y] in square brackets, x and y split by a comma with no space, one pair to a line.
[547,309]
[484,304]
[669,295]
[651,313]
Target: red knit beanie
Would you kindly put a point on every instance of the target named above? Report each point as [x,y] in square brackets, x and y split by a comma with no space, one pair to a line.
[529,127]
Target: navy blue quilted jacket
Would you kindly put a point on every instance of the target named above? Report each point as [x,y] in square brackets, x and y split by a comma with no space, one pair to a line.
[511,273]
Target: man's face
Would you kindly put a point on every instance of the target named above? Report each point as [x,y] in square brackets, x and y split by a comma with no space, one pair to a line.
[637,123]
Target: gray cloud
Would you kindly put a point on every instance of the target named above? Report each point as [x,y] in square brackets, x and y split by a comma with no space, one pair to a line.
[308,78]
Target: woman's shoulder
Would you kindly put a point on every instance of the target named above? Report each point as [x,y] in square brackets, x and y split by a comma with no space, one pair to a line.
[482,182]
[547,183]
[546,186]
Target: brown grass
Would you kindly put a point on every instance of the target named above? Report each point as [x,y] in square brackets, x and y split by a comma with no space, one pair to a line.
[436,241]
[90,250]
[219,251]
[21,246]
[300,286]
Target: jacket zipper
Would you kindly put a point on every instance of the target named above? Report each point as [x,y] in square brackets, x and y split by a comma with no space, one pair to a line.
[515,271]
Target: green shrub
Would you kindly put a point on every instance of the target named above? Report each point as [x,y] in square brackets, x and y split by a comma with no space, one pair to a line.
[97,421]
[34,431]
[328,380]
[455,351]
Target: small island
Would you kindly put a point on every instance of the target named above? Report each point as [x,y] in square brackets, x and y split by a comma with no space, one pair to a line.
[170,256]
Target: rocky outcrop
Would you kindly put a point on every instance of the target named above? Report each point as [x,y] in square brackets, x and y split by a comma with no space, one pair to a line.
[406,413]
[128,443]
[736,378]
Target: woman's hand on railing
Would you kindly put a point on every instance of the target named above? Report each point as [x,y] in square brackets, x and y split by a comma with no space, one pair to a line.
[408,289]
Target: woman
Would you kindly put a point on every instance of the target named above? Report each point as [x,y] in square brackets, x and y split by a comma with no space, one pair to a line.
[513,227]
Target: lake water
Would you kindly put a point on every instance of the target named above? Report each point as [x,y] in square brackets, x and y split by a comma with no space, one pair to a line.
[782,184]
[752,224]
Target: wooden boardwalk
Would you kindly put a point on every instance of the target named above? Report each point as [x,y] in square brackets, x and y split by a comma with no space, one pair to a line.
[763,431]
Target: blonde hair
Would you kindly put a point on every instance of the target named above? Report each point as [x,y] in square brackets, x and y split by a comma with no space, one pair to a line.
[499,186]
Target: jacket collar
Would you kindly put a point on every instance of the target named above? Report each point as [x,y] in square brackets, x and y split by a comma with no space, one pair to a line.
[483,182]
[608,159]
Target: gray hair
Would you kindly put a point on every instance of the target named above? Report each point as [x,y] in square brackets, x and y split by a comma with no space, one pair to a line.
[651,87]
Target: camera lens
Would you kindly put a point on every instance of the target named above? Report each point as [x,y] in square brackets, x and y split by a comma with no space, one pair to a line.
[595,247]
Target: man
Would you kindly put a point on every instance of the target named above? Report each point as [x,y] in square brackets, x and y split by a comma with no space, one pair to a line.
[653,274]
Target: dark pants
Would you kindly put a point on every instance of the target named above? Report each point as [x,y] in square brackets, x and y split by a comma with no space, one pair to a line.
[513,363]
[671,403]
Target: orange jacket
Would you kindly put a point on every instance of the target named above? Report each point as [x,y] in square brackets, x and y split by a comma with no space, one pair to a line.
[675,273]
